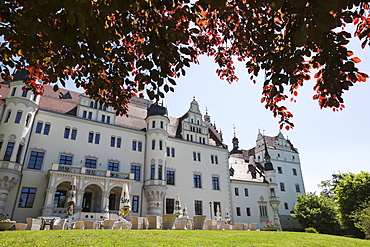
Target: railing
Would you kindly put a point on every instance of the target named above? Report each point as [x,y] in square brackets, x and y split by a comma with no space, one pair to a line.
[10,165]
[91,171]
[155,182]
[273,198]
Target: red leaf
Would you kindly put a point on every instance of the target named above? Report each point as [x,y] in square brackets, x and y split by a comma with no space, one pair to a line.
[356,59]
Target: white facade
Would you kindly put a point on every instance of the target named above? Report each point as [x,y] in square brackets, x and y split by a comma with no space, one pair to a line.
[67,138]
[47,142]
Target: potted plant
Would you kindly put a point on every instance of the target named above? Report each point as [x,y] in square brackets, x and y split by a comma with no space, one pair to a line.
[5,223]
[269,227]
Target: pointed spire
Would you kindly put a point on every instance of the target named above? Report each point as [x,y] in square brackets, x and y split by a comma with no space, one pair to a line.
[234,130]
[268,164]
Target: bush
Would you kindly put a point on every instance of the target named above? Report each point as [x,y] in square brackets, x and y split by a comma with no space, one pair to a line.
[311,230]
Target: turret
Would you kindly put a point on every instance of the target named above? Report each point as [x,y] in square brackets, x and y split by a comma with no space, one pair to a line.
[155,185]
[16,122]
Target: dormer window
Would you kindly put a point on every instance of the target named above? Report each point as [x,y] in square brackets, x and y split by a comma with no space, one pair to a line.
[161,124]
[24,93]
[153,124]
[13,91]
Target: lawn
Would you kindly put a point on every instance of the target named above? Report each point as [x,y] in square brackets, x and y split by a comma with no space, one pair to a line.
[172,238]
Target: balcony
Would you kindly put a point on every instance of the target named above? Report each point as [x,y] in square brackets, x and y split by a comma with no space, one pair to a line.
[91,171]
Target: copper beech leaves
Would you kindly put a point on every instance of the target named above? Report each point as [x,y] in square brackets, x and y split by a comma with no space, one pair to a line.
[117,50]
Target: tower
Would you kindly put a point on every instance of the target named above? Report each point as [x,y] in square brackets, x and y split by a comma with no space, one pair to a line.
[18,113]
[154,179]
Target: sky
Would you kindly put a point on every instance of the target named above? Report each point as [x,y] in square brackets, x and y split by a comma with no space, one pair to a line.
[328,142]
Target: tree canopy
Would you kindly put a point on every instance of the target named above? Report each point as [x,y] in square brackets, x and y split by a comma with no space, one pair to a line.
[117,49]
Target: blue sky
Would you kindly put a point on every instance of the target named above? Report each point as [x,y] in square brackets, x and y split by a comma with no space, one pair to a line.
[328,142]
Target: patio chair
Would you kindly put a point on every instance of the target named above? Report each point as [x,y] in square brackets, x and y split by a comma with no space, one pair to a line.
[34,224]
[220,224]
[240,226]
[59,224]
[126,225]
[154,221]
[89,224]
[181,223]
[211,225]
[228,227]
[253,226]
[118,225]
[190,224]
[168,221]
[20,226]
[199,222]
[79,225]
[108,224]
[137,222]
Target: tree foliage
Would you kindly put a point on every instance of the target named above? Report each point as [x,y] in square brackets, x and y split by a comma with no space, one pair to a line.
[352,191]
[117,49]
[315,211]
[362,219]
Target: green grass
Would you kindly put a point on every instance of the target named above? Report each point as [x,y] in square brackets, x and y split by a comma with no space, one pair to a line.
[172,238]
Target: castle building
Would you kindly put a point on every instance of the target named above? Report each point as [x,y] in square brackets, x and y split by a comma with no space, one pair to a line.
[49,143]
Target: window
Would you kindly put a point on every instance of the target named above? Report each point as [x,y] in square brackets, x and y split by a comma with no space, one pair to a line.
[90,137]
[90,116]
[113,166]
[161,124]
[160,169]
[74,134]
[263,211]
[153,144]
[280,170]
[9,151]
[28,120]
[13,91]
[282,186]
[212,159]
[18,158]
[84,114]
[112,141]
[198,207]
[139,146]
[47,129]
[66,132]
[194,156]
[197,181]
[91,104]
[152,171]
[134,143]
[18,117]
[36,159]
[38,128]
[172,152]
[65,160]
[27,198]
[103,118]
[60,198]
[297,189]
[24,93]
[97,138]
[286,205]
[246,192]
[216,159]
[108,119]
[170,205]
[294,171]
[90,163]
[215,183]
[238,211]
[248,210]
[8,116]
[168,152]
[198,156]
[170,175]
[135,204]
[160,145]
[153,124]
[236,191]
[119,141]
[136,171]
[272,192]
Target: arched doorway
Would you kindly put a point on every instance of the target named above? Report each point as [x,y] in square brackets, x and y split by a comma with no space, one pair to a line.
[92,199]
[114,198]
[61,195]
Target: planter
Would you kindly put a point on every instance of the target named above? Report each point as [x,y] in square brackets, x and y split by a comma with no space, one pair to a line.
[269,228]
[5,225]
